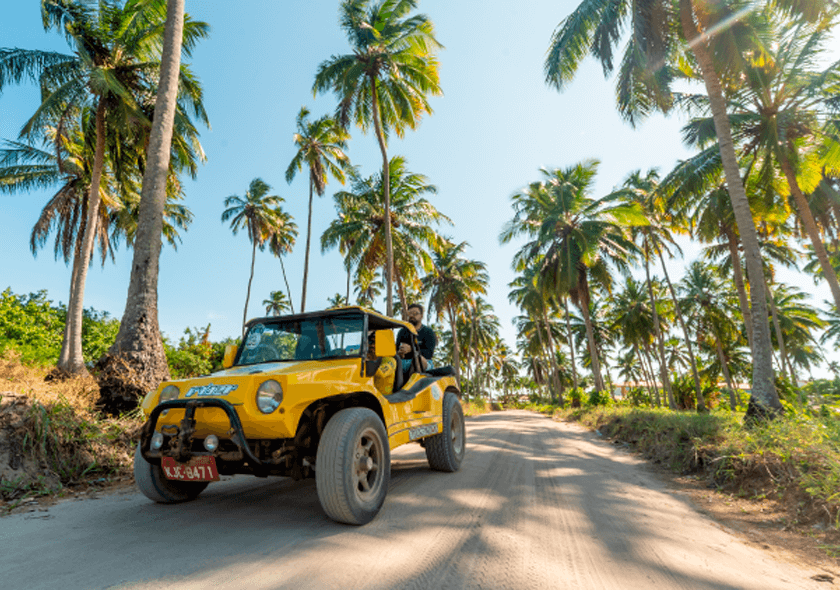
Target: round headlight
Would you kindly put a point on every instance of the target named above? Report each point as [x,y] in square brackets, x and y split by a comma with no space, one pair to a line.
[211,443]
[169,392]
[269,396]
[157,441]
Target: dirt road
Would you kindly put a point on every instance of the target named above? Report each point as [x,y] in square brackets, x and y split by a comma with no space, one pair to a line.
[537,504]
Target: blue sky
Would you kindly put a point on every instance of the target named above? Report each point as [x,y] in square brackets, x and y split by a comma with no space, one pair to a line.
[495,126]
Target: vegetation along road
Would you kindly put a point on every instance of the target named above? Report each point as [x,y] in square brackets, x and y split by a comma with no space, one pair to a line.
[537,504]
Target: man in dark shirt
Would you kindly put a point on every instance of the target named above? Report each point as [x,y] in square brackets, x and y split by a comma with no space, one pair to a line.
[426,339]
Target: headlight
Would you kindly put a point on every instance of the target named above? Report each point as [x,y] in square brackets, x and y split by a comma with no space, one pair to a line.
[269,396]
[211,443]
[169,392]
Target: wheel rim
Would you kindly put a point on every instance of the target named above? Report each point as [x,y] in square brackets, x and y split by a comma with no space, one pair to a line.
[368,463]
[456,429]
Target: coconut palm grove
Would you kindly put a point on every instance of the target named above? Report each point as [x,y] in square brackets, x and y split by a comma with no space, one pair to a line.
[112,144]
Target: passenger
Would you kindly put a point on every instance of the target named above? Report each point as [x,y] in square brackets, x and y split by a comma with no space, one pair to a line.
[426,339]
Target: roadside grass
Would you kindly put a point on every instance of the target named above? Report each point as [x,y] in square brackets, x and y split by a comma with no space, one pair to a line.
[51,440]
[794,460]
[475,407]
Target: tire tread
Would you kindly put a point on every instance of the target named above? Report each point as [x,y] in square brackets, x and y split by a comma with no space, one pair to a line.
[330,464]
[439,451]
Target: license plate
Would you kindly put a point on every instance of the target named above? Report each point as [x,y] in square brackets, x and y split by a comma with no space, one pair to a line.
[201,468]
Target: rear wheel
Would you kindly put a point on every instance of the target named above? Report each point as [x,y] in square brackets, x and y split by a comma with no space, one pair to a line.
[353,466]
[156,487]
[445,451]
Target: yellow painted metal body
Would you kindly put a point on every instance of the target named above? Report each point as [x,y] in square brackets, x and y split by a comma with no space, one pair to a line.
[303,383]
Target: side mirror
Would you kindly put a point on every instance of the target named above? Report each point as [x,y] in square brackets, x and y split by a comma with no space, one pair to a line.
[230,354]
[384,345]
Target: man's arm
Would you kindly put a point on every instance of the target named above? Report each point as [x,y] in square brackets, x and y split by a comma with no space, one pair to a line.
[403,342]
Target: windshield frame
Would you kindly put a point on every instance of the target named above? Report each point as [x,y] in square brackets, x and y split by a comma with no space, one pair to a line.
[321,321]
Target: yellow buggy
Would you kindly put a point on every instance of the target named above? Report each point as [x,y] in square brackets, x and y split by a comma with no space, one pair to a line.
[318,394]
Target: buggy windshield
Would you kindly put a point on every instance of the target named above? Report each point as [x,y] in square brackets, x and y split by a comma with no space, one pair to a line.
[303,339]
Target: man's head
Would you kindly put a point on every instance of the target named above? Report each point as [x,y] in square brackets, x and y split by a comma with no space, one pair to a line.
[415,314]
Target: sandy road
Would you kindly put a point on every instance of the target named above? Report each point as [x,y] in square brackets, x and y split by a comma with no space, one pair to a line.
[537,504]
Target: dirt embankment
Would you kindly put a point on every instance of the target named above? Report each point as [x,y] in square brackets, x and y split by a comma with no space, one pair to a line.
[50,439]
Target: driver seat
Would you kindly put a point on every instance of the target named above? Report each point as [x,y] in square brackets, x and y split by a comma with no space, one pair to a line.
[399,377]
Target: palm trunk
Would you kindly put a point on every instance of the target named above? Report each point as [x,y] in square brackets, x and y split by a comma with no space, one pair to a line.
[248,292]
[306,253]
[645,373]
[663,367]
[810,225]
[456,351]
[701,402]
[593,350]
[732,243]
[286,280]
[571,343]
[648,357]
[401,295]
[553,359]
[787,369]
[64,355]
[142,363]
[74,360]
[348,284]
[764,400]
[470,371]
[542,348]
[386,190]
[724,366]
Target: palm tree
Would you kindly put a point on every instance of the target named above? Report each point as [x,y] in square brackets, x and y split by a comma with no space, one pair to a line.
[384,81]
[654,236]
[630,314]
[664,37]
[602,336]
[282,235]
[452,282]
[277,303]
[573,238]
[832,321]
[113,67]
[321,144]
[361,226]
[706,301]
[480,326]
[138,343]
[258,213]
[779,121]
[528,294]
[798,322]
[64,161]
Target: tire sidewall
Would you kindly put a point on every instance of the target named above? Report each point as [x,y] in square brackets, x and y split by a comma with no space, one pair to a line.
[361,419]
[154,485]
[367,510]
[451,404]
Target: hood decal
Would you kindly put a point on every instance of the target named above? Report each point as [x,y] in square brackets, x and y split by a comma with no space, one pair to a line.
[210,390]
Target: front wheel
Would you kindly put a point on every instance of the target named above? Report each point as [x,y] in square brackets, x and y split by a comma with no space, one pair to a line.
[445,450]
[156,487]
[353,466]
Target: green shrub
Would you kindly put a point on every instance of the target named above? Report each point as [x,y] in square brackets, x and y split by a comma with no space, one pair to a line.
[639,397]
[34,327]
[599,398]
[824,391]
[195,354]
